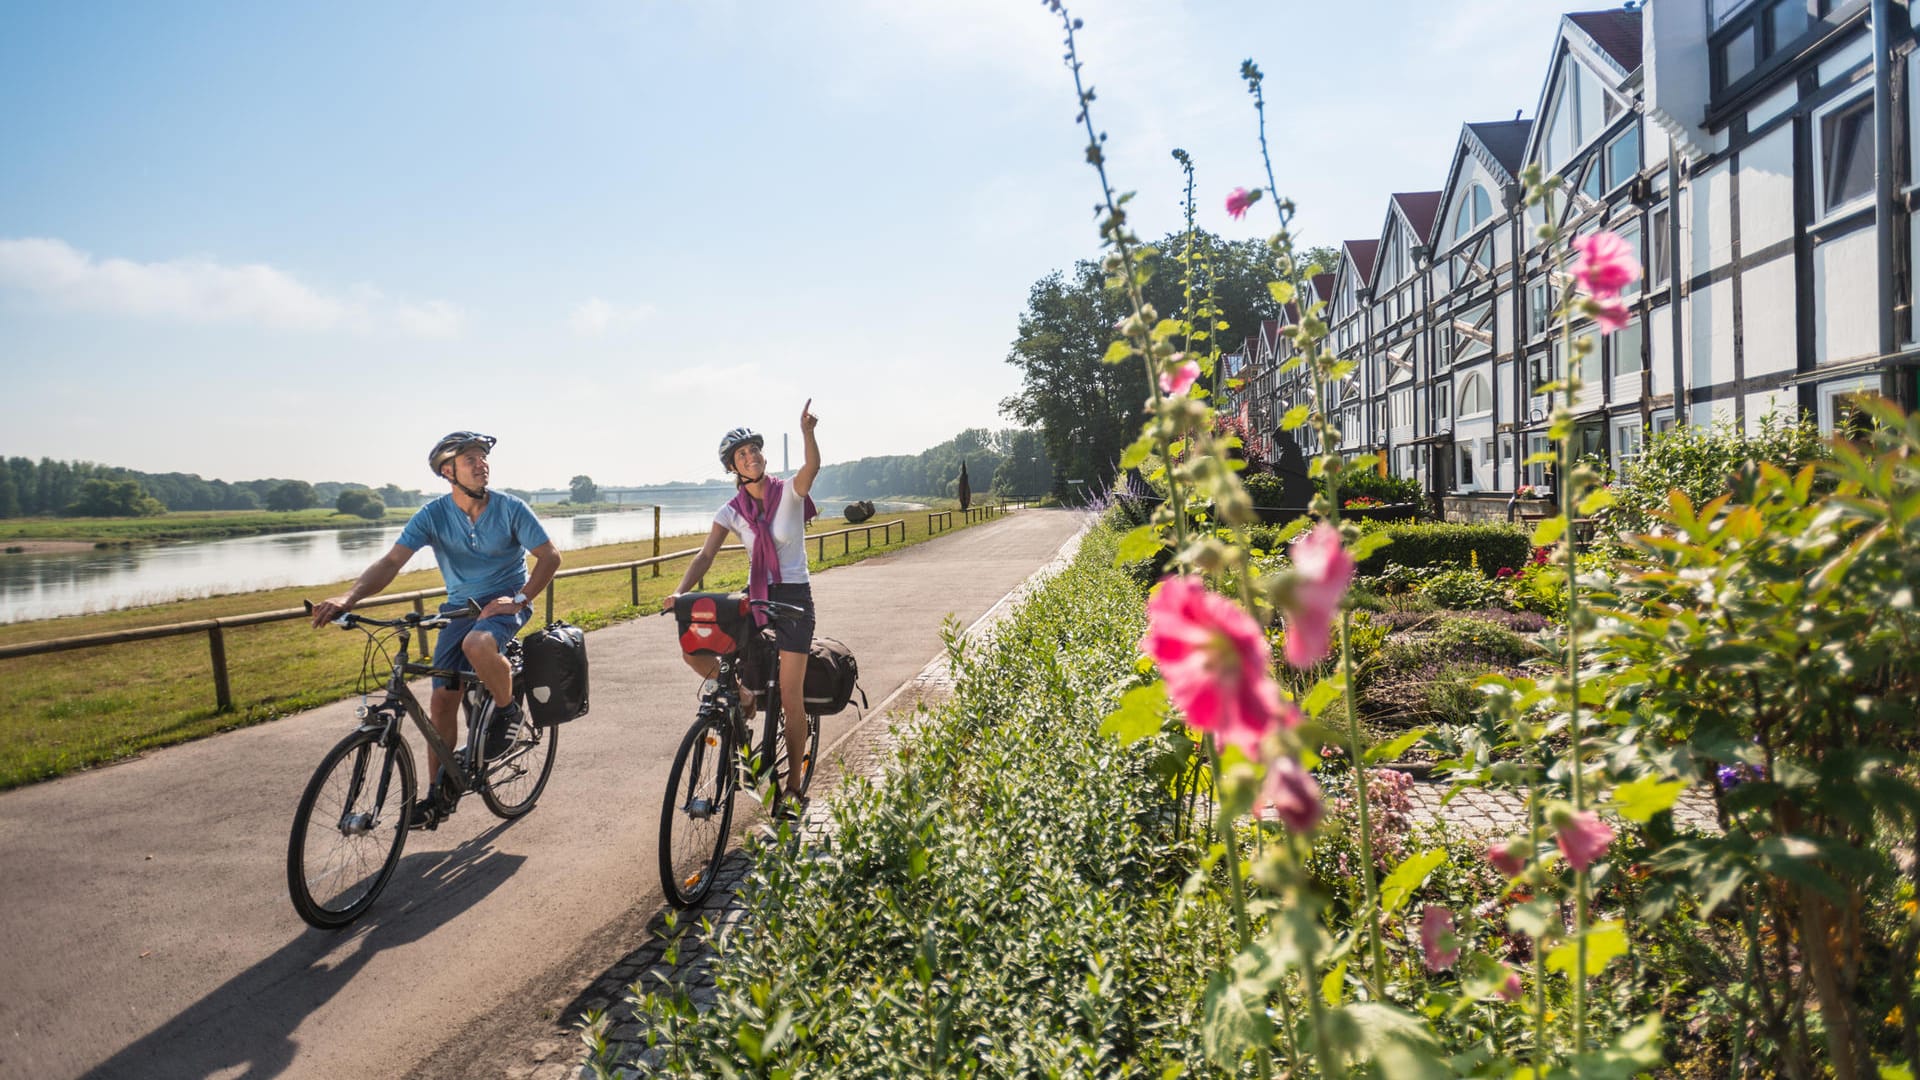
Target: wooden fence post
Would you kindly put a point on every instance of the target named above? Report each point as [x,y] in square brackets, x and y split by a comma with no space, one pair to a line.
[217,644]
[656,542]
[552,587]
[636,580]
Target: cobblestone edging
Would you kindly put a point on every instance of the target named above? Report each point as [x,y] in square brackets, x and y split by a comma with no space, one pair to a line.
[862,750]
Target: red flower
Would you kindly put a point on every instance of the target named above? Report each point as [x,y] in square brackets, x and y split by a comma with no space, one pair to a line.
[1215,661]
[1293,794]
[1436,925]
[1180,379]
[1583,838]
[1510,857]
[1239,199]
[1512,988]
[1322,571]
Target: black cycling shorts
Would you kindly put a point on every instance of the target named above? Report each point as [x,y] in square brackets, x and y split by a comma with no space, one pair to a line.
[793,634]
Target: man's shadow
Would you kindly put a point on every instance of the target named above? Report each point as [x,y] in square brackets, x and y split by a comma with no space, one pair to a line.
[248,1022]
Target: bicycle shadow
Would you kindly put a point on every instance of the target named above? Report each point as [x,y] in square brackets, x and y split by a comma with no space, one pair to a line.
[247,1024]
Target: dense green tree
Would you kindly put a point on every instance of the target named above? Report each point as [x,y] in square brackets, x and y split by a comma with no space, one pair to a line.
[582,489]
[361,503]
[291,495]
[395,495]
[1009,463]
[99,497]
[1088,411]
[9,499]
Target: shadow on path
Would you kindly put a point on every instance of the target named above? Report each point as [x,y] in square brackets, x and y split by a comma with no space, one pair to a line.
[244,1028]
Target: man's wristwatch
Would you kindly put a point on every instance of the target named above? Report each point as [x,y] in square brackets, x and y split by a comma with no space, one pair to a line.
[520,598]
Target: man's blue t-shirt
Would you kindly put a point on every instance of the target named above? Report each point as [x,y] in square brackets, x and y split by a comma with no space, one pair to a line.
[480,560]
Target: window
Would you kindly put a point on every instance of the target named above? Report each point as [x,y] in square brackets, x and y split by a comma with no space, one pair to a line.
[1594,185]
[1537,473]
[1442,402]
[1736,56]
[1625,347]
[1578,112]
[1659,255]
[1475,207]
[1542,368]
[1786,20]
[1539,308]
[1623,157]
[1838,413]
[1628,438]
[1472,332]
[1630,232]
[1475,396]
[1845,153]
[1401,402]
[1663,421]
[1465,477]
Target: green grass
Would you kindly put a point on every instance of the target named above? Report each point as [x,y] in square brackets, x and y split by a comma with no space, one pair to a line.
[66,711]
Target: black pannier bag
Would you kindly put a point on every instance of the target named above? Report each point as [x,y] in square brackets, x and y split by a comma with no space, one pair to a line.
[555,673]
[833,675]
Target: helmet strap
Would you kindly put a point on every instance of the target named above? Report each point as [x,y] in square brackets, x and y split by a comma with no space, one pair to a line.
[476,496]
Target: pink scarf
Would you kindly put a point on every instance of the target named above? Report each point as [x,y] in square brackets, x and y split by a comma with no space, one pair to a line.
[763,567]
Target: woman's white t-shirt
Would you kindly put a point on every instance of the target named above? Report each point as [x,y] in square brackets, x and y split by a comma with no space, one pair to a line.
[789,533]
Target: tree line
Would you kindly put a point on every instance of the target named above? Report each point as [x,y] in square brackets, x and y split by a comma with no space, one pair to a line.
[1011,463]
[85,489]
[1088,410]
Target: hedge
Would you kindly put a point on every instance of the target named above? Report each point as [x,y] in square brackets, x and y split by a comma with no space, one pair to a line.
[1447,544]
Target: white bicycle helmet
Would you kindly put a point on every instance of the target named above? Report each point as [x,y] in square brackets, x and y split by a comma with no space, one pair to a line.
[734,440]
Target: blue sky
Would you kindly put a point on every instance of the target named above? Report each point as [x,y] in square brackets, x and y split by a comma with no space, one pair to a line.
[251,240]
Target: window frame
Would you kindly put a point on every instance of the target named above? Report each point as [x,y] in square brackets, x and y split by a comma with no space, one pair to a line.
[1824,213]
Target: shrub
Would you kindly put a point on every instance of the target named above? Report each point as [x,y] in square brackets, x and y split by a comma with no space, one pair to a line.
[1372,485]
[361,503]
[1265,489]
[1462,589]
[1705,463]
[1448,544]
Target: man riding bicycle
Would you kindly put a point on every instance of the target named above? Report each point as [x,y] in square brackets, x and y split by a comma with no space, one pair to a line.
[481,539]
[770,515]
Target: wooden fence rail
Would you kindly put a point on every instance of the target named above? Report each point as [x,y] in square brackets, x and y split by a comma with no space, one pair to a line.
[215,629]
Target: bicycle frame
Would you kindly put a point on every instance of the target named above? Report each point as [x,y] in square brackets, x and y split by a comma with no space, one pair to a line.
[398,692]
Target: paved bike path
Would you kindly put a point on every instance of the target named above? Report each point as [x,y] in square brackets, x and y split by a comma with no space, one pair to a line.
[144,924]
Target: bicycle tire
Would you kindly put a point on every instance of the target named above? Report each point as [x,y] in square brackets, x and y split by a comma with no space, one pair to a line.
[696,815]
[319,852]
[511,782]
[775,734]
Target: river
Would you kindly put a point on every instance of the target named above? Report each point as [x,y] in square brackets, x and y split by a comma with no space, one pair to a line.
[45,586]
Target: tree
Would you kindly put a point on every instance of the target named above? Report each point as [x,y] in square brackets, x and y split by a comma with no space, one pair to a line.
[395,495]
[1323,256]
[113,498]
[361,503]
[583,489]
[290,495]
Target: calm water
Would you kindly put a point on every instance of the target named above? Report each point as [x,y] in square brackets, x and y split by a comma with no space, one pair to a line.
[46,586]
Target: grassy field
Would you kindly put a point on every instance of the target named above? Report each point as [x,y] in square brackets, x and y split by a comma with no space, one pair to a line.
[66,711]
[223,524]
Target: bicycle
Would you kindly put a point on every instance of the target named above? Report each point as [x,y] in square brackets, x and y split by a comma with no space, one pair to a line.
[717,758]
[351,825]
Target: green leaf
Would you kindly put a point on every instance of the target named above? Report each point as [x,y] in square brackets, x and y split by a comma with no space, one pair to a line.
[1118,352]
[1333,987]
[1605,942]
[1294,418]
[1390,751]
[1639,800]
[1596,500]
[1367,545]
[1138,543]
[1136,453]
[1549,530]
[1535,918]
[1142,713]
[1636,1051]
[1324,693]
[1282,291]
[1412,873]
[1235,1020]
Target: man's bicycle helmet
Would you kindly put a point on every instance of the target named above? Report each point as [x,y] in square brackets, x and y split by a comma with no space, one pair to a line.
[450,447]
[734,440]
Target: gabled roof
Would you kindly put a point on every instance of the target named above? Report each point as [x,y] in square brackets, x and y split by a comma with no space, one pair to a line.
[1362,253]
[1616,32]
[1420,207]
[1323,287]
[1506,142]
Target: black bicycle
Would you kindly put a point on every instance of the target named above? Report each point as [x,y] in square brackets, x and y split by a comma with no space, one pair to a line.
[351,825]
[717,759]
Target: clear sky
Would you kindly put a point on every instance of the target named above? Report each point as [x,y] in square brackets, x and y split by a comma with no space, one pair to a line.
[248,240]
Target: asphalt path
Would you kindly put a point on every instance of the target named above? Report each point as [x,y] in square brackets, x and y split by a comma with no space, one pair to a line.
[145,929]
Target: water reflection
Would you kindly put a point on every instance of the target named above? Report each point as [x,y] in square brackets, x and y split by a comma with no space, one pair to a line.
[47,585]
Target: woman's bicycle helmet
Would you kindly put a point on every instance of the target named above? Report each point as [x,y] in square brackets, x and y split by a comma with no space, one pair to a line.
[734,440]
[449,448]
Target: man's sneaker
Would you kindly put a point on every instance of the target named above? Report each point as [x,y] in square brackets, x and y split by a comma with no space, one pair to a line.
[429,810]
[502,729]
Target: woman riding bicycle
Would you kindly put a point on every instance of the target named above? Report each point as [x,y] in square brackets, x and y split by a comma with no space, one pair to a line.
[770,516]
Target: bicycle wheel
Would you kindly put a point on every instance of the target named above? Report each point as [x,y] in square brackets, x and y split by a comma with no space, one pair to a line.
[512,779]
[697,812]
[349,829]
[776,735]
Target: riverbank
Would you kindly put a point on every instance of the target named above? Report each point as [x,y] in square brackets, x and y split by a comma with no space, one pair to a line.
[45,535]
[66,711]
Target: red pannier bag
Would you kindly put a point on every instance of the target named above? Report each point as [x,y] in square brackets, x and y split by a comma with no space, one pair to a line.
[713,624]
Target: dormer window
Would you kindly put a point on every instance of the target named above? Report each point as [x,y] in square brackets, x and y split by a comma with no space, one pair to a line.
[1475,208]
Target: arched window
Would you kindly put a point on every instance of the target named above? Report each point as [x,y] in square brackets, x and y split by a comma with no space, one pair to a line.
[1475,396]
[1475,207]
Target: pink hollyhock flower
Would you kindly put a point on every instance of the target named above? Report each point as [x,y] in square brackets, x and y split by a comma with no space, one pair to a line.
[1508,857]
[1605,264]
[1322,571]
[1238,200]
[1436,924]
[1583,839]
[1512,988]
[1504,572]
[1180,379]
[1293,794]
[1215,661]
[1610,313]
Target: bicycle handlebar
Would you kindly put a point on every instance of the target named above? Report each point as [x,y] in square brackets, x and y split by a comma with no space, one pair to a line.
[348,620]
[771,607]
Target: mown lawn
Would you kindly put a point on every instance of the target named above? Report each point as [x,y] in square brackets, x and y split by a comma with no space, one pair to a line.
[66,711]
